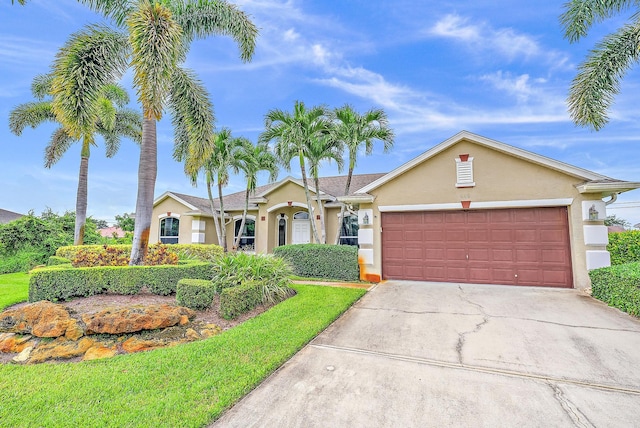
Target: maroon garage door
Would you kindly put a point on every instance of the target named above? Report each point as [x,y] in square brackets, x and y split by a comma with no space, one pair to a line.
[525,246]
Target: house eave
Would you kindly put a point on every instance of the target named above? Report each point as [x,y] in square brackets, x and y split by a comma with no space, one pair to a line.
[356,199]
[607,189]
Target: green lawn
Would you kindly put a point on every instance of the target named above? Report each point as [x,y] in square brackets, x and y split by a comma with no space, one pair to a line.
[188,385]
[14,288]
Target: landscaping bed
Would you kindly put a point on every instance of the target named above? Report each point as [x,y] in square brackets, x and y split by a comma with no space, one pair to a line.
[208,319]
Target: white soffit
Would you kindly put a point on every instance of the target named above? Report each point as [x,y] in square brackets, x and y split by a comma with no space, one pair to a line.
[527,203]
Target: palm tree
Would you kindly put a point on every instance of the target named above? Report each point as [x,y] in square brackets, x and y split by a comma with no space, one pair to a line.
[225,158]
[355,131]
[293,134]
[254,159]
[598,80]
[108,118]
[321,149]
[155,42]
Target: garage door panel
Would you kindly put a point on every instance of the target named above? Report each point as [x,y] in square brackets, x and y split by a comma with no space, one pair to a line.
[483,246]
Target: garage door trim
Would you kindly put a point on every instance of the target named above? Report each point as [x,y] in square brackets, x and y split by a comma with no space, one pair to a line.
[525,203]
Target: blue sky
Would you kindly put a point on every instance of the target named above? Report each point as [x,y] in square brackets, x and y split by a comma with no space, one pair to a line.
[497,68]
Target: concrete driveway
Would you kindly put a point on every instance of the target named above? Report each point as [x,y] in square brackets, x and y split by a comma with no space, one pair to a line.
[413,354]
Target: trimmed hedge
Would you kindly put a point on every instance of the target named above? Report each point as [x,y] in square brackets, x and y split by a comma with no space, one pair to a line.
[184,251]
[235,301]
[624,247]
[55,261]
[195,293]
[322,260]
[59,283]
[618,286]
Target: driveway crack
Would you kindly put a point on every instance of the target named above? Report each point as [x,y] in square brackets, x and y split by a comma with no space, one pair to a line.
[578,418]
[462,336]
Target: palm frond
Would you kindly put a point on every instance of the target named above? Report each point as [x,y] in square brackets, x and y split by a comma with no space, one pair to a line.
[41,85]
[86,63]
[192,118]
[156,41]
[580,15]
[593,90]
[30,114]
[118,10]
[58,146]
[117,94]
[216,17]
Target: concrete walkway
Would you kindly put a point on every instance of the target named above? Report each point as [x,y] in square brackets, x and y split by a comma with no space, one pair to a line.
[415,354]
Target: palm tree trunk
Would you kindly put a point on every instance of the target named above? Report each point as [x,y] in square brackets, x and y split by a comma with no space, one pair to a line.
[213,213]
[223,226]
[81,196]
[342,207]
[147,172]
[244,219]
[323,230]
[306,194]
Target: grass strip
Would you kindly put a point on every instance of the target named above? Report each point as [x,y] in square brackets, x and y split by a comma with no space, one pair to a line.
[14,288]
[188,385]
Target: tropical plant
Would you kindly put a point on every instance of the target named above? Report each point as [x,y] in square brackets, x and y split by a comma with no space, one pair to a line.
[224,158]
[126,221]
[293,135]
[597,83]
[355,131]
[254,159]
[319,150]
[155,42]
[105,115]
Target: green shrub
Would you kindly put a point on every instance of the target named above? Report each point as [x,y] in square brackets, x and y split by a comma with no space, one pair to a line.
[203,252]
[55,261]
[321,260]
[624,247]
[195,293]
[618,286]
[183,251]
[235,301]
[61,283]
[21,261]
[232,269]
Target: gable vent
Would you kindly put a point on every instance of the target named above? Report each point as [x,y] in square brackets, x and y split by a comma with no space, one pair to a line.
[464,171]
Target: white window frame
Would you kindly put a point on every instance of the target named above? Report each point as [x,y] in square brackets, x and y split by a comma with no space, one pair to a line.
[238,220]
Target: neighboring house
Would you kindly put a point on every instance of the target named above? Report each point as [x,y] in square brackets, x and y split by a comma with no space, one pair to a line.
[111,232]
[470,209]
[7,216]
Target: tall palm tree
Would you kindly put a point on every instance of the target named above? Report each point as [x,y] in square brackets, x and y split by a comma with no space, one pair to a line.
[108,118]
[157,36]
[356,131]
[597,83]
[293,134]
[319,150]
[254,159]
[225,159]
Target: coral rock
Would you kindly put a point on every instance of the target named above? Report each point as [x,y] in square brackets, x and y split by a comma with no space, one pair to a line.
[135,318]
[136,345]
[12,343]
[60,349]
[97,352]
[191,334]
[42,319]
[210,330]
[24,355]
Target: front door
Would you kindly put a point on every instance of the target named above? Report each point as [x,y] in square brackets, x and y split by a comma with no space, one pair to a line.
[301,231]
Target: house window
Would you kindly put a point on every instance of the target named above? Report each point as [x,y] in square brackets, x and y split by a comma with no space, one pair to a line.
[282,231]
[349,230]
[301,215]
[169,230]
[248,236]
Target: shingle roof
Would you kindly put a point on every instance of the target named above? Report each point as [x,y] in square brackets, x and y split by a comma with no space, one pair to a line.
[7,216]
[333,186]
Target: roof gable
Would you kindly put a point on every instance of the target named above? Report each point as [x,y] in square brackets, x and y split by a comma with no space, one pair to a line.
[492,144]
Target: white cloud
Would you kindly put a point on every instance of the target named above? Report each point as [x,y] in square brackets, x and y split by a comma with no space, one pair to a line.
[481,37]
